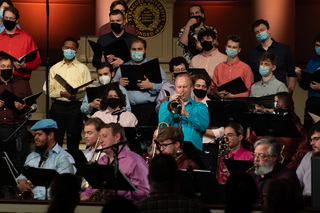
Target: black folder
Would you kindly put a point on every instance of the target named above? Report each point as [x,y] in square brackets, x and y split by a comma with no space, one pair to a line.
[197,71]
[32,98]
[9,98]
[97,92]
[102,177]
[117,48]
[237,166]
[137,73]
[307,78]
[68,87]
[235,86]
[8,173]
[27,57]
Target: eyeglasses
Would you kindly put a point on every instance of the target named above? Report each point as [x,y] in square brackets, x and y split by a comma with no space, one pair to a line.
[163,145]
[260,156]
[314,139]
[229,135]
[179,70]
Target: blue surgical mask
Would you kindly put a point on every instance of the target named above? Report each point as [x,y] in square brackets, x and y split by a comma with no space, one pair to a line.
[275,104]
[317,50]
[69,54]
[264,71]
[1,13]
[137,56]
[231,52]
[262,36]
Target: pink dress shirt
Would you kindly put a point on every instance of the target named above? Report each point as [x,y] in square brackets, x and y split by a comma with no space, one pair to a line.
[127,119]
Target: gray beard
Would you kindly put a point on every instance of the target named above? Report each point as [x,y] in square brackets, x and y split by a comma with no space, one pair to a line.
[263,169]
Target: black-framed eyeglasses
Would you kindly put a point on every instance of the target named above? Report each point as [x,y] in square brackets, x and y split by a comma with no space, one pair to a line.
[163,145]
[260,156]
[314,139]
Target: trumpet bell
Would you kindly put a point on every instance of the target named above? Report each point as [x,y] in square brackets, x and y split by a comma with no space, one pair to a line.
[175,107]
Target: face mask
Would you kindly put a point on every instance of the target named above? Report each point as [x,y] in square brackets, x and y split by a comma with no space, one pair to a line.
[318,50]
[116,28]
[6,74]
[231,52]
[178,73]
[1,13]
[137,56]
[264,71]
[105,79]
[199,20]
[279,111]
[262,36]
[69,54]
[9,25]
[207,45]
[275,104]
[199,93]
[113,102]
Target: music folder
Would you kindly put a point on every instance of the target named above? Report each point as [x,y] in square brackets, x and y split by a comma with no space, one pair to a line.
[68,87]
[273,125]
[201,185]
[102,177]
[32,98]
[97,92]
[39,176]
[237,166]
[8,173]
[234,86]
[307,78]
[198,71]
[27,57]
[117,48]
[137,73]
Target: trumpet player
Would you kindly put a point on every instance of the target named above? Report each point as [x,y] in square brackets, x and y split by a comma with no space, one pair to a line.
[193,117]
[48,154]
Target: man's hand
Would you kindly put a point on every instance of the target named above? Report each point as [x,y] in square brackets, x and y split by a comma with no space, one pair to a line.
[229,95]
[163,99]
[22,186]
[19,66]
[146,84]
[221,94]
[124,81]
[84,198]
[297,70]
[109,58]
[19,106]
[2,103]
[116,62]
[67,95]
[96,103]
[191,22]
[315,85]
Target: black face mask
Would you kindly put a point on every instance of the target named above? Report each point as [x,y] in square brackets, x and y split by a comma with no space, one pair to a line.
[207,45]
[113,102]
[176,74]
[279,111]
[116,28]
[199,93]
[199,20]
[9,25]
[6,74]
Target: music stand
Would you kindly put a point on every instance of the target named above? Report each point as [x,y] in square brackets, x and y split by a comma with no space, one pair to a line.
[237,166]
[223,112]
[77,155]
[193,154]
[7,176]
[102,177]
[201,185]
[273,125]
[39,176]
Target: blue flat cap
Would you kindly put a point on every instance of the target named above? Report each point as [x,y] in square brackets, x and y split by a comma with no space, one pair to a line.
[45,124]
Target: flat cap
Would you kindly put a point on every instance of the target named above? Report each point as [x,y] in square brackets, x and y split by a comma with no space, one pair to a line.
[45,124]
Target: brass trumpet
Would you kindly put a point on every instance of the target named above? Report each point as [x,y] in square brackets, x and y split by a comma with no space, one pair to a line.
[175,106]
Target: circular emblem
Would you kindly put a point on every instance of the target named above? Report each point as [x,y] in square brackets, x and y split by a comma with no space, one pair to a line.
[149,17]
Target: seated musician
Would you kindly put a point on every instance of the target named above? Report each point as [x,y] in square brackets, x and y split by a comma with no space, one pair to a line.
[48,154]
[131,164]
[170,141]
[293,148]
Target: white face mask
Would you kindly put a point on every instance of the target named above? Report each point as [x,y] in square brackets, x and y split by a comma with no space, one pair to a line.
[105,79]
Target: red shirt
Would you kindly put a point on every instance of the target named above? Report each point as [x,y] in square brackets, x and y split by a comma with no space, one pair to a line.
[106,28]
[17,45]
[226,71]
[183,162]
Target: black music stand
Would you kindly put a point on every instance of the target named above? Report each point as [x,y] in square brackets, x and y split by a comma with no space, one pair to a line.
[223,112]
[103,177]
[237,166]
[201,185]
[266,101]
[273,125]
[193,154]
[77,155]
[8,173]
[39,176]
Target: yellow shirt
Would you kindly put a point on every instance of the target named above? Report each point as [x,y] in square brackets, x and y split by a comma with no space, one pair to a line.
[76,74]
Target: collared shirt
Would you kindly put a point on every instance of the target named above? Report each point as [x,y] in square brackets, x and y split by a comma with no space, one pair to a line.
[186,52]
[312,66]
[126,119]
[170,202]
[270,87]
[58,159]
[169,86]
[143,96]
[109,38]
[21,89]
[85,106]
[18,45]
[304,174]
[194,126]
[135,169]
[227,71]
[285,61]
[89,151]
[106,28]
[208,62]
[76,74]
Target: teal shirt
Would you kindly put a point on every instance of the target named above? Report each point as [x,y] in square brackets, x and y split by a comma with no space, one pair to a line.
[194,126]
